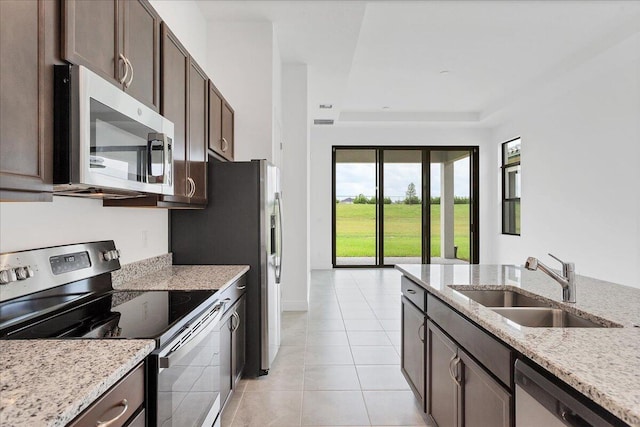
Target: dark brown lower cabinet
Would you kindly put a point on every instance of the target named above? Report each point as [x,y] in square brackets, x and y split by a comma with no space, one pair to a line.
[442,389]
[460,391]
[412,363]
[484,401]
[232,344]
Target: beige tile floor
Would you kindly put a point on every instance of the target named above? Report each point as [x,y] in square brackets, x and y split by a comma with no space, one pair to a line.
[339,363]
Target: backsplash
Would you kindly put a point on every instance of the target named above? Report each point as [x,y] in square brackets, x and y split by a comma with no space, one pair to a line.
[140,268]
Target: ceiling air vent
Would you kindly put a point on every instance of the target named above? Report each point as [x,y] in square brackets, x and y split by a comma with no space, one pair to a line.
[323,122]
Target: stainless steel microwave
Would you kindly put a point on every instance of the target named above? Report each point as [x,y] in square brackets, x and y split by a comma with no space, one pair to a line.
[107,144]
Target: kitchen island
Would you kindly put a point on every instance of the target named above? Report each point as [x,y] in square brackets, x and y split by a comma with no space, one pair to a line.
[603,363]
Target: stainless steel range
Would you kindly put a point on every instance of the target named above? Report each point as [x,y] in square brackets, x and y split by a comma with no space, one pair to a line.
[66,292]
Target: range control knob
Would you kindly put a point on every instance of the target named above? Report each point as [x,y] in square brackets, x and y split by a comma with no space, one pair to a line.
[115,254]
[7,276]
[21,273]
[30,272]
[107,255]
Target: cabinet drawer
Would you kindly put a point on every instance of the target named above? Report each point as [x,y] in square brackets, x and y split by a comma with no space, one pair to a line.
[234,292]
[415,293]
[110,405]
[495,356]
[139,420]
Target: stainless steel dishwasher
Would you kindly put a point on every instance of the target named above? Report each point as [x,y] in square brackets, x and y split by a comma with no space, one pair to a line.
[540,402]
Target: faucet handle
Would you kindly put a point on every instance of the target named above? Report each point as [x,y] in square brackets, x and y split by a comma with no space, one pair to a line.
[557,259]
[567,267]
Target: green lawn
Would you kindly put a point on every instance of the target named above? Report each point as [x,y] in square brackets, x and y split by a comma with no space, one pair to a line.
[356,230]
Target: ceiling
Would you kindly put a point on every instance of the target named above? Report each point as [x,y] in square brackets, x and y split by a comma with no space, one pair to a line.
[433,61]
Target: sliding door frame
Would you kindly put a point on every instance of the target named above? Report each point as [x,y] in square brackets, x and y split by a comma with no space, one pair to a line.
[474,187]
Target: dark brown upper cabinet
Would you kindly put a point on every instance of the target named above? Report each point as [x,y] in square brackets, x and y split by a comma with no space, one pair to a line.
[198,131]
[175,83]
[185,103]
[117,39]
[29,42]
[220,125]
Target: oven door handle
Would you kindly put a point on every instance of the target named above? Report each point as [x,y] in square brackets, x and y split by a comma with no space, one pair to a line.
[184,348]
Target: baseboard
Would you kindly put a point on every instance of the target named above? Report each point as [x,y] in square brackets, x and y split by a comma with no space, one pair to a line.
[295,305]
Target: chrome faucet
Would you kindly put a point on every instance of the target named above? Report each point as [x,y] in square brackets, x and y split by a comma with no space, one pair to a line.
[567,280]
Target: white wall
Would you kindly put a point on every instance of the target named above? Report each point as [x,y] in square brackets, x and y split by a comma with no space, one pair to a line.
[324,137]
[295,188]
[67,220]
[241,64]
[580,177]
[138,233]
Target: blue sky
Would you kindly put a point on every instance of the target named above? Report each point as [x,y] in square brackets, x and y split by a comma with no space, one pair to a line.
[359,178]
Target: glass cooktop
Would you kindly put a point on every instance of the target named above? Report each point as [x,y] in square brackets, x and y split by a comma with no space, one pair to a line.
[117,314]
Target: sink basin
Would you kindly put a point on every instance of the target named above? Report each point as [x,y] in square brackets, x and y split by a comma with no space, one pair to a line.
[500,298]
[546,317]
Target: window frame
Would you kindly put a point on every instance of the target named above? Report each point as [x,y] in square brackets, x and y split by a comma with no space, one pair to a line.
[504,199]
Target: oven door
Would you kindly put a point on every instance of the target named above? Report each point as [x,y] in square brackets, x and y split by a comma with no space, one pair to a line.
[185,378]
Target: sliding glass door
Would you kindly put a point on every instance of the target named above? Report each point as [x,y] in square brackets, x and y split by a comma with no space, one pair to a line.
[404,205]
[355,234]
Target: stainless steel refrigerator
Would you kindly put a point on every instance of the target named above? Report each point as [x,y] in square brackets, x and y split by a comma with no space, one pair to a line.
[242,224]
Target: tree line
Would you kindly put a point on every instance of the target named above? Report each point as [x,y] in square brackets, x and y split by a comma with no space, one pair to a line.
[411,198]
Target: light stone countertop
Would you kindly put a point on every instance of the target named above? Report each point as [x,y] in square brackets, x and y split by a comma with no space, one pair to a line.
[601,363]
[185,277]
[49,382]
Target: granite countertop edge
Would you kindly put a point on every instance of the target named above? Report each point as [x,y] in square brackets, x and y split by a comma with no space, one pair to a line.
[51,413]
[628,413]
[186,277]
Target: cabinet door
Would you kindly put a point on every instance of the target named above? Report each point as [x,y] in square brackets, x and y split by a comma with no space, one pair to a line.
[141,33]
[215,120]
[442,390]
[413,348]
[197,133]
[484,401]
[239,334]
[91,36]
[28,40]
[226,327]
[175,74]
[227,144]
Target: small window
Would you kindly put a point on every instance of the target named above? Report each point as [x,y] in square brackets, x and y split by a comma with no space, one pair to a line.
[511,187]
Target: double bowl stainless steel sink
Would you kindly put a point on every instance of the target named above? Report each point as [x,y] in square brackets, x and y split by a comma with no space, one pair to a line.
[528,311]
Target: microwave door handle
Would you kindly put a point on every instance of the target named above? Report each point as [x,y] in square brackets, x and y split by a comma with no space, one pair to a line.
[154,137]
[168,160]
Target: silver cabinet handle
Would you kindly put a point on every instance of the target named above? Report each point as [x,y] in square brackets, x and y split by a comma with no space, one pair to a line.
[125,406]
[225,144]
[192,187]
[411,291]
[237,317]
[128,83]
[241,288]
[454,375]
[126,69]
[421,328]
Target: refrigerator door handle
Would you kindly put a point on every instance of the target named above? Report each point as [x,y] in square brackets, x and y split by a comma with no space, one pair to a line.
[278,266]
